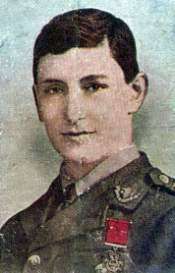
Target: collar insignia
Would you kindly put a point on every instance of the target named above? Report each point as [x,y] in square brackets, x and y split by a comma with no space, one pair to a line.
[126,194]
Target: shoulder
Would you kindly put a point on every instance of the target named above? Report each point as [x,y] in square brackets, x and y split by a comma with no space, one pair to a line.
[16,233]
[13,243]
[161,192]
[162,180]
[34,214]
[140,185]
[158,203]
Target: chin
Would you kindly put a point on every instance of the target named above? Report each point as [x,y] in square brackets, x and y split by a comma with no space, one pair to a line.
[80,155]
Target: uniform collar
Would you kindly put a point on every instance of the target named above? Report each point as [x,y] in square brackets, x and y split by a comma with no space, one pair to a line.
[125,184]
[130,184]
[125,188]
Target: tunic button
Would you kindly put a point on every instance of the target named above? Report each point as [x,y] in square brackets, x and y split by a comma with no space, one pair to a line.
[164,178]
[34,260]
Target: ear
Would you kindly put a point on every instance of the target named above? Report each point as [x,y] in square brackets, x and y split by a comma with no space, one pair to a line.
[139,90]
[38,107]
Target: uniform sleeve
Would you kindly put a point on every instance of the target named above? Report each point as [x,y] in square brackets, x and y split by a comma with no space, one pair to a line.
[13,246]
[163,260]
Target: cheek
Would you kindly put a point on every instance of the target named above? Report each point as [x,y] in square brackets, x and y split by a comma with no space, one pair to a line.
[108,106]
[110,115]
[52,110]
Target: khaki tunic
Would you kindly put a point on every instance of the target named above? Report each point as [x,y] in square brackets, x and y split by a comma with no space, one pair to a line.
[63,233]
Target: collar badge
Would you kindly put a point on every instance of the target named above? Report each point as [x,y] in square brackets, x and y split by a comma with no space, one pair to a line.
[126,194]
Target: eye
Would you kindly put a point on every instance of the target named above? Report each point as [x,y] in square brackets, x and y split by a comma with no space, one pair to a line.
[54,90]
[94,87]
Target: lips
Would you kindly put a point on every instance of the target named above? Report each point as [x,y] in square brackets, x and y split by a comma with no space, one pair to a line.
[78,137]
[71,133]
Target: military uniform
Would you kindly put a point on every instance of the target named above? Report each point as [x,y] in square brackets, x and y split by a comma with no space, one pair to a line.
[65,233]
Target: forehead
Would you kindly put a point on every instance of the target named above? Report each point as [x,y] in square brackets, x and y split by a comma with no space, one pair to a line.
[78,63]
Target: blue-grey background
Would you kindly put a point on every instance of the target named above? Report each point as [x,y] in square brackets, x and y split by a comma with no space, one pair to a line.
[28,162]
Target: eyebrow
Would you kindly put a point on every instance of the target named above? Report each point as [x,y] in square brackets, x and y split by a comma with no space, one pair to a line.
[91,78]
[84,80]
[52,81]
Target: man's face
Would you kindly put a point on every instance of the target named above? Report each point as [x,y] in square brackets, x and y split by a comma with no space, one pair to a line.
[84,103]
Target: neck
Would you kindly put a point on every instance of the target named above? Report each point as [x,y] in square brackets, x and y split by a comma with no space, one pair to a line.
[77,169]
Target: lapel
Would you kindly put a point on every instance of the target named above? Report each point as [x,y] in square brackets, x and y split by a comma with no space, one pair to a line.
[43,209]
[84,214]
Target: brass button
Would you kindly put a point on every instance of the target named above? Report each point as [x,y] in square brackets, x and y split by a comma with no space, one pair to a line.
[164,178]
[34,260]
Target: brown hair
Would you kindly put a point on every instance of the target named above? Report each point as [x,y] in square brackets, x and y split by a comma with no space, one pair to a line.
[88,28]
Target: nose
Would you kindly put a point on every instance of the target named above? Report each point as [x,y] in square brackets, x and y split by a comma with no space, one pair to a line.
[75,108]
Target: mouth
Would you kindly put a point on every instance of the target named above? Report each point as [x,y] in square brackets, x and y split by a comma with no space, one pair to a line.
[79,137]
[74,134]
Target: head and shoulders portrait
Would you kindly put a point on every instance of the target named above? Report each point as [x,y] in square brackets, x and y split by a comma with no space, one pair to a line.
[109,209]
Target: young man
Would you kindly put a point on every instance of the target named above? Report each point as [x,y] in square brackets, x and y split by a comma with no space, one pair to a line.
[109,210]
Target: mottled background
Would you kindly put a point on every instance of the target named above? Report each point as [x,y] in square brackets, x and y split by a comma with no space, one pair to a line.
[28,163]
